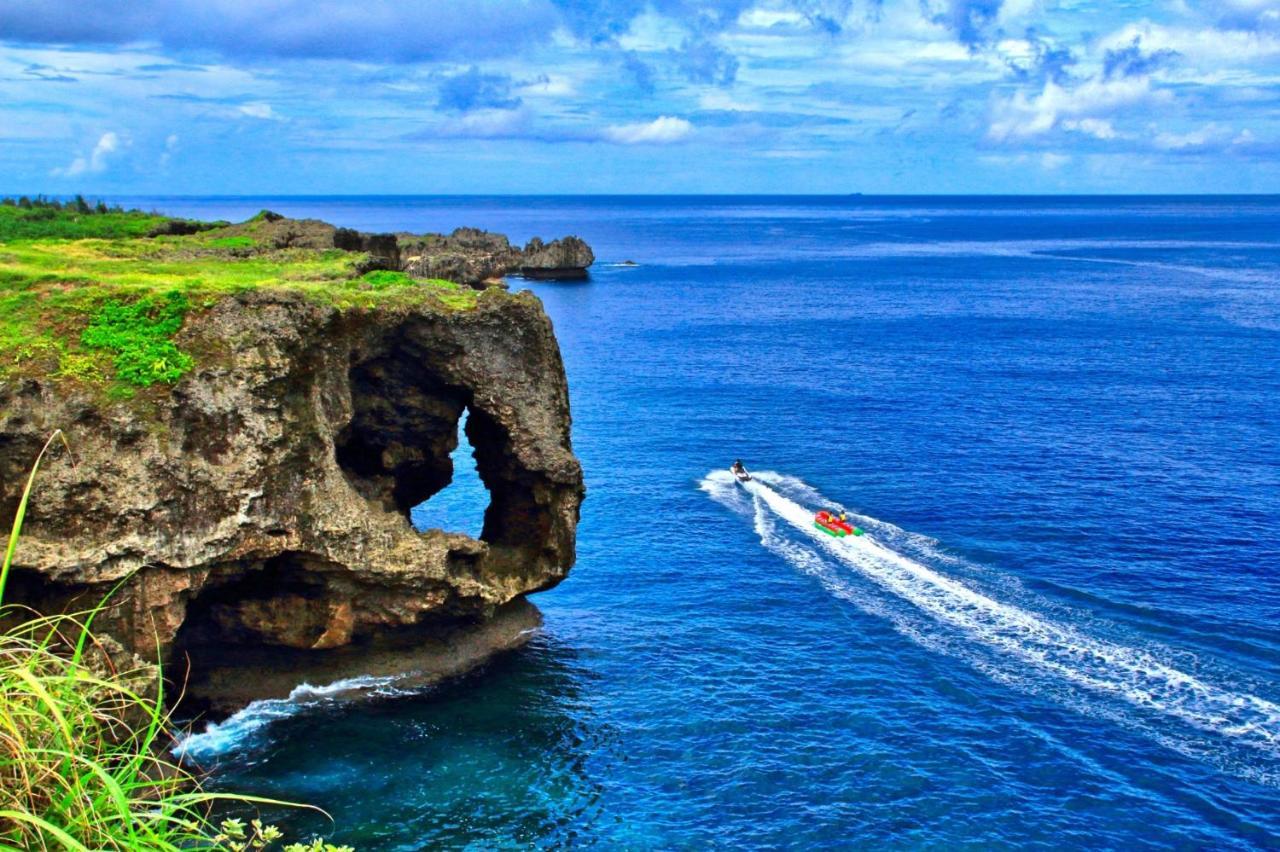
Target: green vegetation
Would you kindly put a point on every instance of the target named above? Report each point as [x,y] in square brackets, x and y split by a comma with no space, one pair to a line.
[141,336]
[24,218]
[381,279]
[232,243]
[82,745]
[84,297]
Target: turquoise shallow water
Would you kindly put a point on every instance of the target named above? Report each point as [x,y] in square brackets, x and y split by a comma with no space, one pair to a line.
[1057,419]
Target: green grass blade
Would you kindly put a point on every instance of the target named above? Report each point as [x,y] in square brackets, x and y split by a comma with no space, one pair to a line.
[22,509]
[45,827]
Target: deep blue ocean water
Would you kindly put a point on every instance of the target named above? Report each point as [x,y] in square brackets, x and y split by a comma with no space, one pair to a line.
[1059,421]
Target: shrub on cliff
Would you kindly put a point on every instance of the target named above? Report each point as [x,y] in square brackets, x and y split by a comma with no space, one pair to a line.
[140,334]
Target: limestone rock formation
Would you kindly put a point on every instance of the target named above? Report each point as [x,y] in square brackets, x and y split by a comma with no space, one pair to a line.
[566,258]
[467,256]
[263,500]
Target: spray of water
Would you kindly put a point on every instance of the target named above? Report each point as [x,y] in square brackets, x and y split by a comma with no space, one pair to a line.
[240,728]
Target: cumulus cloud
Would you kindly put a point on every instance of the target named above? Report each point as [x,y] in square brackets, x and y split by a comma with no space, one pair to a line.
[108,144]
[1067,107]
[1209,138]
[523,124]
[1208,47]
[1036,58]
[256,110]
[486,124]
[1131,61]
[474,89]
[661,131]
[170,146]
[1098,128]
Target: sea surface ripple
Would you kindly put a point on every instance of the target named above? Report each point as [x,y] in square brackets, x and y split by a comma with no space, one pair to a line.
[1057,419]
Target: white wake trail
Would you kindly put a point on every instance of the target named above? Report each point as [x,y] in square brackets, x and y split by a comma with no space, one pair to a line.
[1099,666]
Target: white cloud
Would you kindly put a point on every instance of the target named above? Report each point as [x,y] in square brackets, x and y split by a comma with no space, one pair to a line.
[1022,117]
[1211,137]
[650,31]
[96,162]
[489,124]
[170,145]
[257,110]
[1013,11]
[549,85]
[1050,161]
[1208,47]
[662,130]
[765,18]
[1098,128]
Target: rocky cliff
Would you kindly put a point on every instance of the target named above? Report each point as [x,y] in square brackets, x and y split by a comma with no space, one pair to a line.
[262,501]
[467,255]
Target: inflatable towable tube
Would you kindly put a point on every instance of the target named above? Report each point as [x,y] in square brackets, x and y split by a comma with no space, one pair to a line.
[832,525]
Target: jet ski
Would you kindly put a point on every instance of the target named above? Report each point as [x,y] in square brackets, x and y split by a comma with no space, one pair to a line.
[739,471]
[835,525]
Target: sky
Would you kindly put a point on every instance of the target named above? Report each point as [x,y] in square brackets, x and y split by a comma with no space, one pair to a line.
[639,96]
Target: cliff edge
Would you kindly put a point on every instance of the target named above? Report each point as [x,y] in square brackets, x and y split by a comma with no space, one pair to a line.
[260,498]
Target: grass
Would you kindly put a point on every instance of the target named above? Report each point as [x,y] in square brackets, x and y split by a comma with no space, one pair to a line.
[73,222]
[82,745]
[240,242]
[88,309]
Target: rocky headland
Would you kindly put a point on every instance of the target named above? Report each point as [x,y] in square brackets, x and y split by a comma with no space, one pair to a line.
[244,495]
[467,256]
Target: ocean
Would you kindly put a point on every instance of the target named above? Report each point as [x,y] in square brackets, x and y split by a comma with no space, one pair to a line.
[1058,420]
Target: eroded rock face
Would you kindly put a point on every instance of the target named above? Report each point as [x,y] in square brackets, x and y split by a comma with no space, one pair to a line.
[263,500]
[467,256]
[565,258]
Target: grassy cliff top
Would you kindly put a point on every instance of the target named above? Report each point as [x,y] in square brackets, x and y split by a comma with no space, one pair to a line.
[87,294]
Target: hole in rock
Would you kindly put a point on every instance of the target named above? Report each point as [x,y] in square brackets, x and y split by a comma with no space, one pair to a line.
[418,444]
[460,506]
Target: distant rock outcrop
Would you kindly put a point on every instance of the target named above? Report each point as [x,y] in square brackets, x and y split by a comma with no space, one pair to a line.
[566,258]
[467,256]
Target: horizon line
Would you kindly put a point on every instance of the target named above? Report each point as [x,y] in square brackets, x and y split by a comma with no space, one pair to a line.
[824,195]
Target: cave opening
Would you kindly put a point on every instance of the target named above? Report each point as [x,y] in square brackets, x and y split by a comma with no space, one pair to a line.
[461,505]
[425,447]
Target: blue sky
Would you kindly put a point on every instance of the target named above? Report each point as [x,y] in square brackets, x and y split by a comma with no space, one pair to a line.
[669,96]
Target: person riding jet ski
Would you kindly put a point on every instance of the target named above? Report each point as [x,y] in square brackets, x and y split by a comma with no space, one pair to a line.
[740,472]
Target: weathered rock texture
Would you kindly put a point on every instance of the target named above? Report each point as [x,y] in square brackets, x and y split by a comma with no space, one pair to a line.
[466,256]
[263,501]
[564,258]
